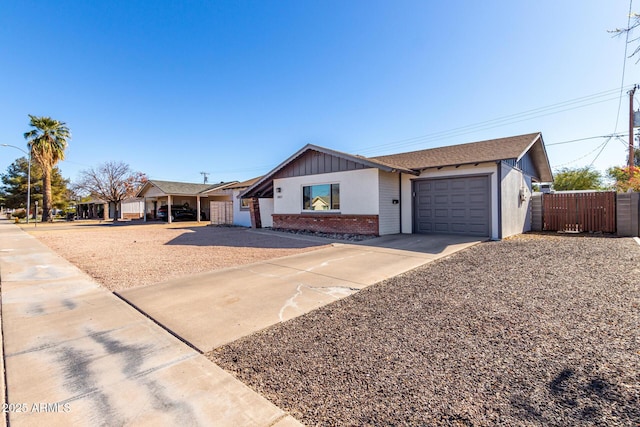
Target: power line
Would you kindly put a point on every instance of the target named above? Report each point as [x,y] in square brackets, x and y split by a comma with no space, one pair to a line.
[584,139]
[624,65]
[559,107]
[601,146]
[600,152]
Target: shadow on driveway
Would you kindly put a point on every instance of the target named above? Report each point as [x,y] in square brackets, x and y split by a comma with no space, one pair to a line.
[239,237]
[416,244]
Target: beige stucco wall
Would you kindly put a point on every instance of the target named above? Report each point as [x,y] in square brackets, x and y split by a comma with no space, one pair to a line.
[266,210]
[241,217]
[359,194]
[516,215]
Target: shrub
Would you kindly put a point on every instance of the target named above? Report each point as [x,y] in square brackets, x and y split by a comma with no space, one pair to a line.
[20,213]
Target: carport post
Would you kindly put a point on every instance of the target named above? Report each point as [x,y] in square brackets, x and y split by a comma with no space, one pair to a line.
[198,207]
[168,208]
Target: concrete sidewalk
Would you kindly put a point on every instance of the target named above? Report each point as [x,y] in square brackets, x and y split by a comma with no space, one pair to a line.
[214,308]
[75,354]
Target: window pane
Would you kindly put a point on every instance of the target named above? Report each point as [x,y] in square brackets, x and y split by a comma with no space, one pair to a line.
[306,198]
[320,197]
[335,196]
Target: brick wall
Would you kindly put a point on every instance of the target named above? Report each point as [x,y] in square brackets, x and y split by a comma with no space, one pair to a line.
[328,223]
[128,215]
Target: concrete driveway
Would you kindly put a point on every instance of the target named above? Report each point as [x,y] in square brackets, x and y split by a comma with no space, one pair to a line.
[212,309]
[75,355]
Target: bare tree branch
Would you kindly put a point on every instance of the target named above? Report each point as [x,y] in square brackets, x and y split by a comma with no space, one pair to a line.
[110,182]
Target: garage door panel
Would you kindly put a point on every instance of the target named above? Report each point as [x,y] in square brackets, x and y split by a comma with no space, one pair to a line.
[457,227]
[453,205]
[476,198]
[458,199]
[425,227]
[441,199]
[478,184]
[458,213]
[458,185]
[477,228]
[425,214]
[441,186]
[427,186]
[441,213]
[441,227]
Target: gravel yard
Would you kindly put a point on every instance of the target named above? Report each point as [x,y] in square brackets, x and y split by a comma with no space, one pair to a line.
[126,255]
[534,330]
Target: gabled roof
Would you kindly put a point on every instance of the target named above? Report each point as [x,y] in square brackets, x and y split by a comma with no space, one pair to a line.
[243,184]
[179,188]
[414,162]
[474,152]
[264,184]
[493,150]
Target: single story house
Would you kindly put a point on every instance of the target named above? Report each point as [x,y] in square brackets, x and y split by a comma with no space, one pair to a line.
[480,188]
[131,208]
[227,207]
[156,194]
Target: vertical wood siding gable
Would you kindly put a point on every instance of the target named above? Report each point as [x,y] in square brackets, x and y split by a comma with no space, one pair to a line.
[314,163]
[525,164]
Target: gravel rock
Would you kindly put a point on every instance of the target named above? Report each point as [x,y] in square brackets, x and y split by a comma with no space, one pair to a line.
[335,236]
[535,330]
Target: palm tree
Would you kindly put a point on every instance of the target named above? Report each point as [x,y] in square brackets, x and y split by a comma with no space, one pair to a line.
[47,142]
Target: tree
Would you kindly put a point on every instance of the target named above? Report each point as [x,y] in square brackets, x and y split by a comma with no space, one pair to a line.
[47,142]
[111,182]
[585,178]
[625,181]
[14,185]
[634,22]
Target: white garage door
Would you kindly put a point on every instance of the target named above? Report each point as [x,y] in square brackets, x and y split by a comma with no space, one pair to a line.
[459,205]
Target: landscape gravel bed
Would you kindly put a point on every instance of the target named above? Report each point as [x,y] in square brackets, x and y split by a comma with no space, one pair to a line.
[121,256]
[536,330]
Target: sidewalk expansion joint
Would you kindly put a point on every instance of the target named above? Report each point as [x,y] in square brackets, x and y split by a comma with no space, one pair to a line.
[139,310]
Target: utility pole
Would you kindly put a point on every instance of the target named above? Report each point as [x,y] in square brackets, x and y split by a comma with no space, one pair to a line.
[631,125]
[205,175]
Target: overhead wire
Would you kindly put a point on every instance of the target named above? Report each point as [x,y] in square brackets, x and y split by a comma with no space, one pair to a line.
[601,146]
[624,64]
[582,139]
[559,107]
[600,152]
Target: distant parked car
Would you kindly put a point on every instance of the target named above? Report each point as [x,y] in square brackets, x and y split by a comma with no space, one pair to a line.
[178,212]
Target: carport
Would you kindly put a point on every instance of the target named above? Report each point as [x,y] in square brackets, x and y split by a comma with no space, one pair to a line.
[160,193]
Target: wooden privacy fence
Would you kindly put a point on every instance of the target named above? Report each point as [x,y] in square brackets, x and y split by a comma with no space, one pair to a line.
[578,212]
[221,212]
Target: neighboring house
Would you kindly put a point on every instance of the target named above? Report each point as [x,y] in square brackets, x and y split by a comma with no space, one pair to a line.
[156,194]
[481,189]
[132,208]
[239,212]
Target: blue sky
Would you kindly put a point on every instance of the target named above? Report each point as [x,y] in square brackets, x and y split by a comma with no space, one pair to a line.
[232,88]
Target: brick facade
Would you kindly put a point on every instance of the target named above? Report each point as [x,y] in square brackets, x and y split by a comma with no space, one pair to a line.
[328,223]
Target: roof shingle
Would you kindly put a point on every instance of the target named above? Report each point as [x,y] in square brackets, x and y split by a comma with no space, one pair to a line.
[473,152]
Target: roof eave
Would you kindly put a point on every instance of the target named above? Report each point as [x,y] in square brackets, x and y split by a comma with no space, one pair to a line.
[263,183]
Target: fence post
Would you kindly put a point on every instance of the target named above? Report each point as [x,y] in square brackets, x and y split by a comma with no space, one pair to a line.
[536,211]
[627,211]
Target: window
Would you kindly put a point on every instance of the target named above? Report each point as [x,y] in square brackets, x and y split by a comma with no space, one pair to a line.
[244,203]
[321,197]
